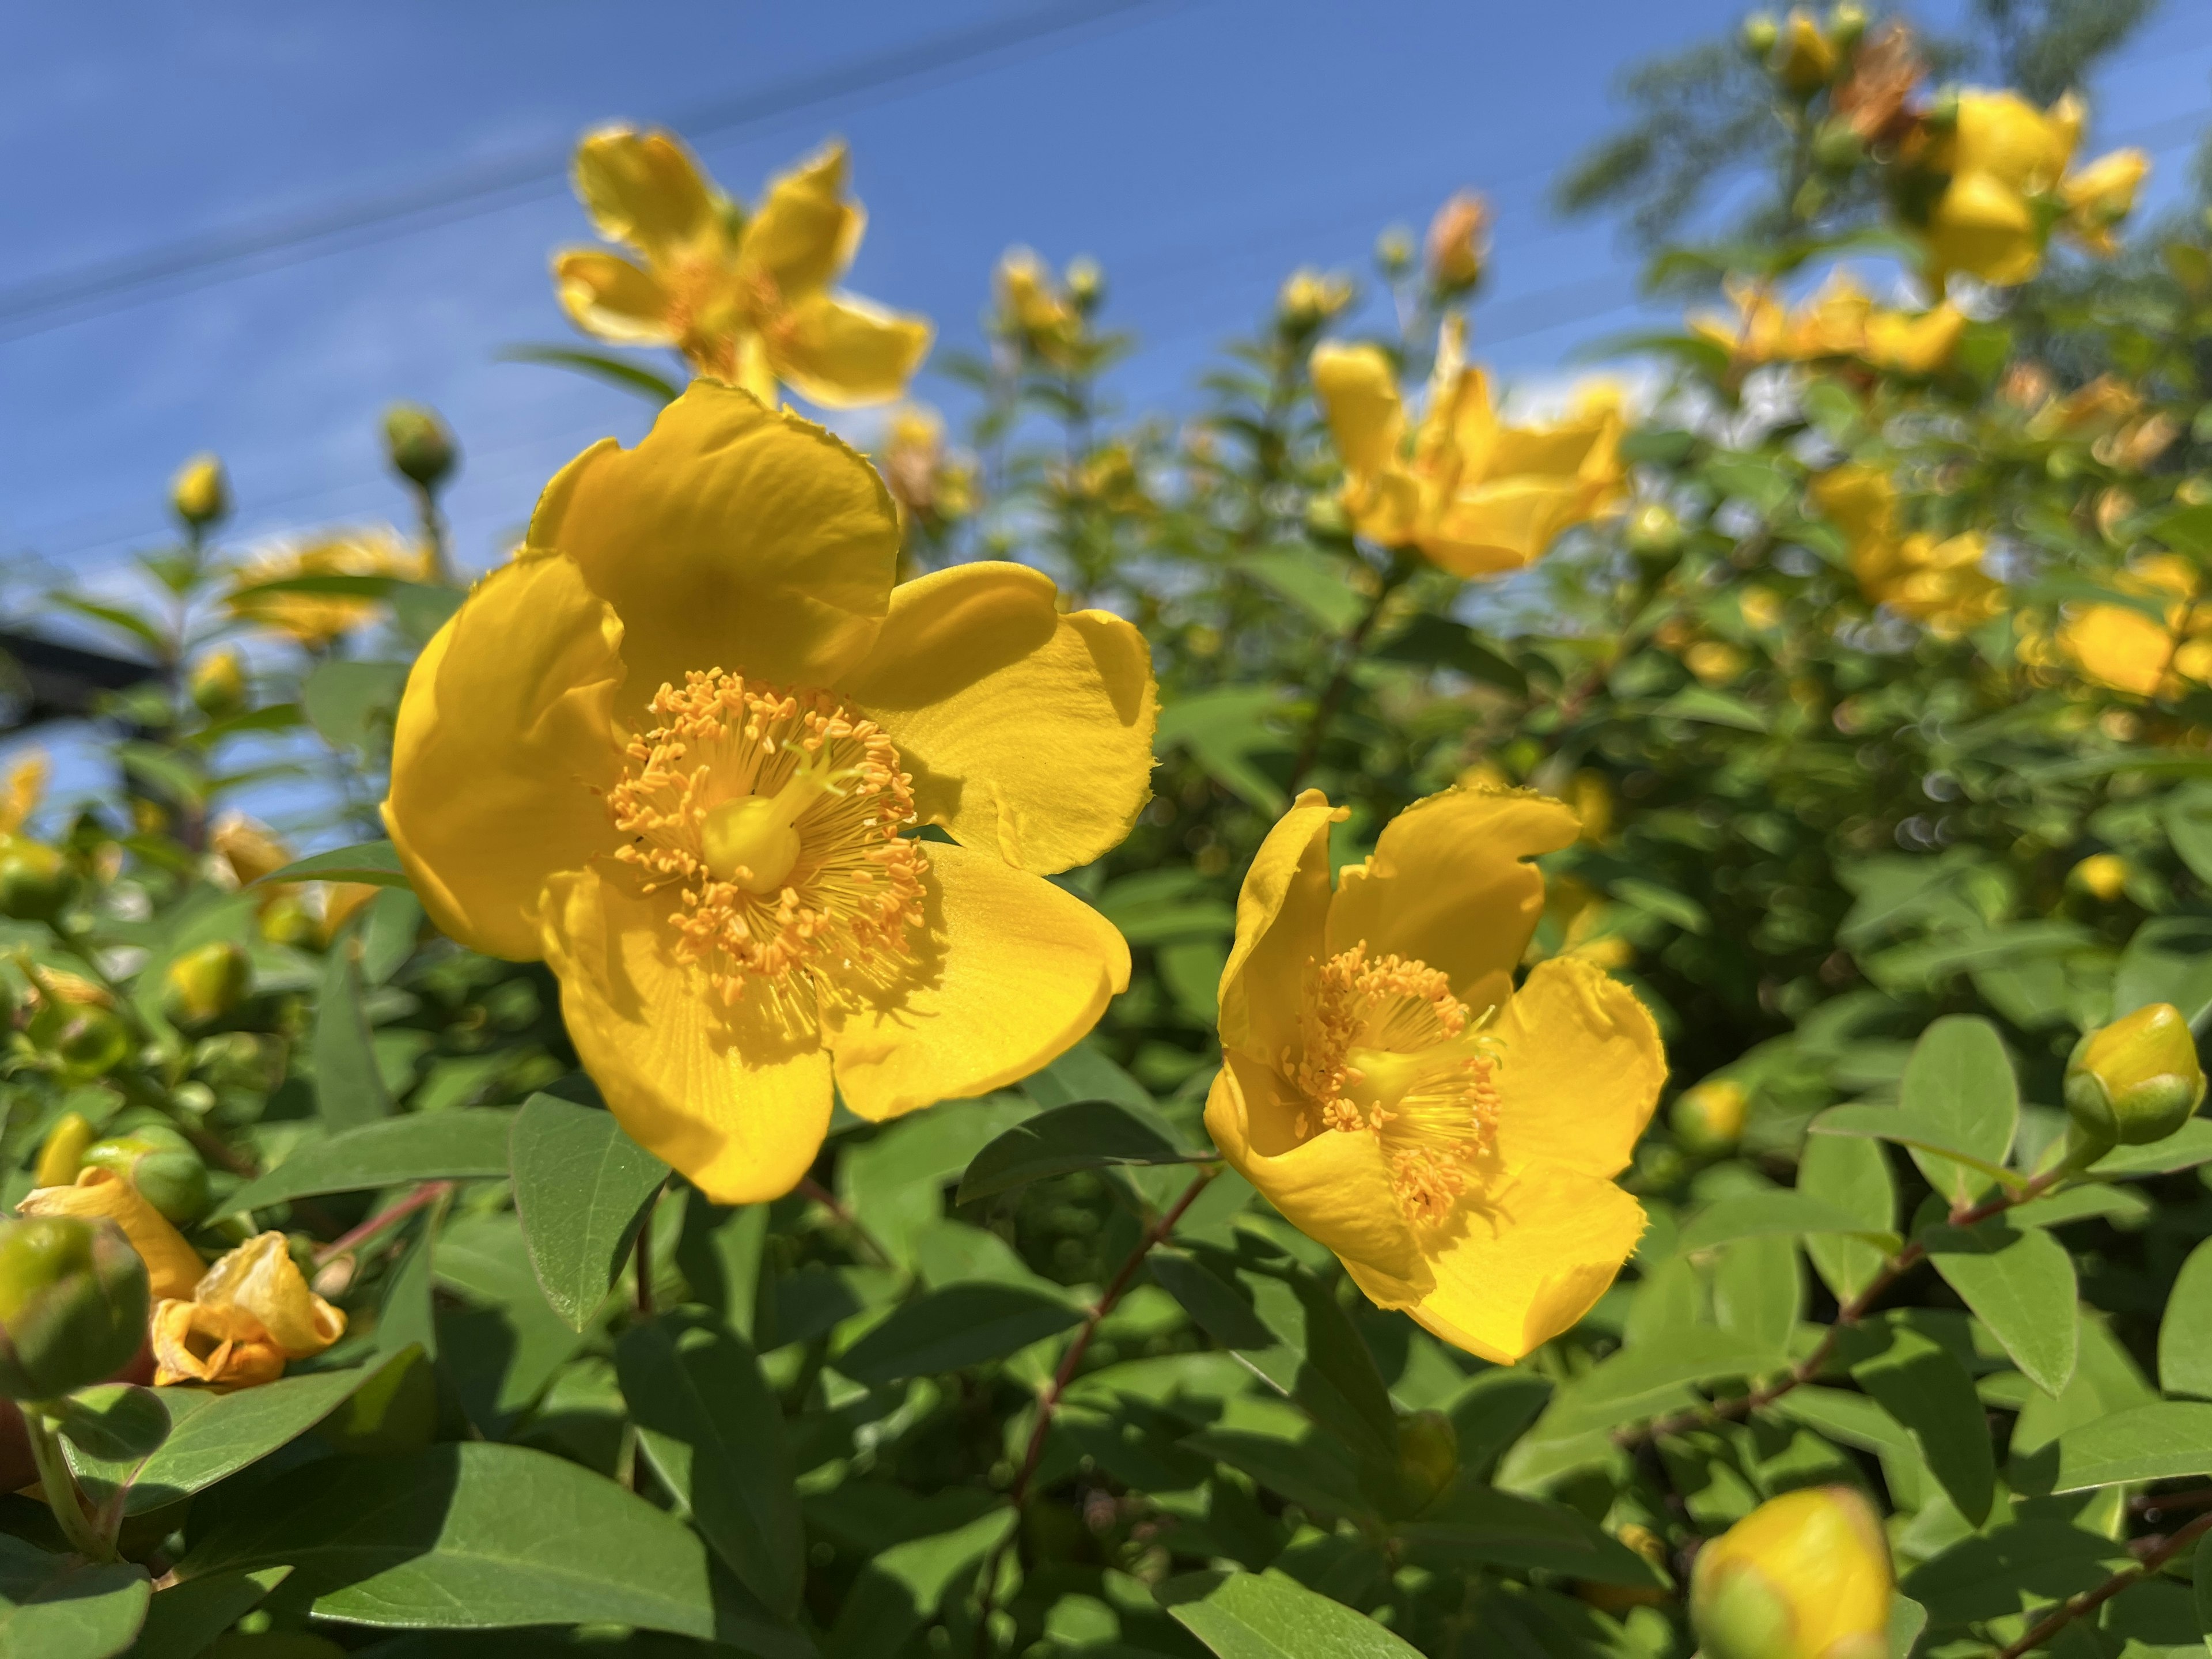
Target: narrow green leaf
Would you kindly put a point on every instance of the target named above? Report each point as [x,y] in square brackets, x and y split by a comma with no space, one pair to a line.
[1648,1376]
[374,863]
[2158,1441]
[349,1089]
[1089,1135]
[1247,1615]
[581,1187]
[1852,1175]
[1959,1080]
[1317,584]
[2020,1283]
[1699,703]
[905,1582]
[467,1144]
[1311,1470]
[59,1606]
[715,1435]
[2185,1330]
[600,366]
[2188,817]
[1778,1213]
[1917,1381]
[183,1620]
[953,1328]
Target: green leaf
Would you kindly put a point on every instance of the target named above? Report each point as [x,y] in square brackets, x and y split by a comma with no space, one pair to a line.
[349,1092]
[621,372]
[2020,1283]
[214,1435]
[1089,1135]
[1959,1080]
[1317,584]
[902,1583]
[1919,1382]
[1226,732]
[2168,959]
[375,863]
[1907,1619]
[348,702]
[1432,641]
[1649,1376]
[2159,1442]
[2185,1330]
[58,1607]
[1166,907]
[953,1328]
[1781,1214]
[115,1420]
[1701,703]
[467,1144]
[2187,1147]
[2200,1576]
[469,1536]
[581,1187]
[1246,1615]
[183,1620]
[1310,1469]
[1894,1123]
[1851,1176]
[2187,813]
[715,1435]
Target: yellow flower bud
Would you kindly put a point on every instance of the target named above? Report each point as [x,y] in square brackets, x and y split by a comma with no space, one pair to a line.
[36,883]
[200,494]
[205,983]
[61,1155]
[2103,874]
[2136,1080]
[1086,281]
[1428,1456]
[1805,1575]
[1760,34]
[419,445]
[73,1304]
[286,920]
[1709,1117]
[218,684]
[1655,534]
[1805,58]
[1310,298]
[1591,796]
[1716,662]
[1457,243]
[1394,250]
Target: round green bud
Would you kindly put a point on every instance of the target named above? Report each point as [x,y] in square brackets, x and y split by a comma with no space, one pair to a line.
[1847,26]
[1708,1118]
[205,983]
[161,1164]
[1428,1456]
[1653,532]
[1394,250]
[2136,1080]
[421,447]
[73,1304]
[84,1040]
[36,883]
[1838,148]
[218,684]
[1759,35]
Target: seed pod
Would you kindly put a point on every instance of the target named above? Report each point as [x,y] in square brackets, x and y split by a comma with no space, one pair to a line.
[73,1304]
[84,1040]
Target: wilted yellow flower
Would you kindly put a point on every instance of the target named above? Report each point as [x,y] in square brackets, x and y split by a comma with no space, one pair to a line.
[1804,1575]
[2118,646]
[684,780]
[2101,875]
[1938,580]
[22,789]
[172,1266]
[1457,242]
[1476,496]
[315,619]
[1311,298]
[1032,306]
[200,494]
[248,1314]
[1841,321]
[1451,1139]
[747,300]
[2004,164]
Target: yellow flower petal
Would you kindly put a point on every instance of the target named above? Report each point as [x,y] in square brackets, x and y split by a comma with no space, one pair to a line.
[735,1099]
[172,1266]
[804,234]
[1335,1188]
[1449,884]
[606,294]
[1358,393]
[1528,1261]
[192,1344]
[1579,1070]
[505,738]
[1505,525]
[1009,973]
[734,535]
[642,188]
[1282,916]
[257,1291]
[843,351]
[1027,732]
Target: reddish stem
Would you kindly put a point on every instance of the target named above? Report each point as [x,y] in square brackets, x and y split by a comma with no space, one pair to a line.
[427,1193]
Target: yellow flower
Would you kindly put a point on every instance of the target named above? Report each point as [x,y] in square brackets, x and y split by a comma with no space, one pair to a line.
[245,1316]
[922,478]
[1032,306]
[1457,242]
[1311,298]
[1714,662]
[2006,186]
[200,494]
[1841,321]
[2118,646]
[315,619]
[1452,1139]
[1938,580]
[673,747]
[248,848]
[1477,497]
[217,683]
[749,301]
[172,1266]
[2101,875]
[22,789]
[1804,1575]
[2100,195]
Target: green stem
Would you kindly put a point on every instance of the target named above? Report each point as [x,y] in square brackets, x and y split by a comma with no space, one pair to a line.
[60,1483]
[1404,562]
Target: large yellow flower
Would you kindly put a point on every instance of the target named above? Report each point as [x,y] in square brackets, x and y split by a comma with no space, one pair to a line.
[748,300]
[1476,496]
[1936,579]
[675,746]
[2118,646]
[1452,1138]
[2006,186]
[315,619]
[1841,321]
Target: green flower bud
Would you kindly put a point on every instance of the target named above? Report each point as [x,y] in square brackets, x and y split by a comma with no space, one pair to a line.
[1847,24]
[36,883]
[2136,1080]
[1760,34]
[1428,1456]
[1709,1117]
[1086,282]
[203,984]
[1654,533]
[161,1164]
[1838,148]
[73,1304]
[83,1040]
[421,447]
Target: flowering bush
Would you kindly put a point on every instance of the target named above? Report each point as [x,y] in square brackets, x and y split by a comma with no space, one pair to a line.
[1380,1025]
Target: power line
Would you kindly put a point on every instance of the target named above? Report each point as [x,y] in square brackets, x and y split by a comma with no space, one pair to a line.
[67,296]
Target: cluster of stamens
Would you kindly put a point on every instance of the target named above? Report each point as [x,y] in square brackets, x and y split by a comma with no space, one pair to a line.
[1386,1049]
[772,817]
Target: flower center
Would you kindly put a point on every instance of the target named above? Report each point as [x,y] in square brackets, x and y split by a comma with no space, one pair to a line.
[1388,1051]
[774,816]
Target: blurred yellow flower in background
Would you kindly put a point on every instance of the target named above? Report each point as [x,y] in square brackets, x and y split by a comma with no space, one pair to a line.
[1841,321]
[2004,164]
[923,479]
[1310,297]
[1804,1575]
[22,789]
[1032,306]
[2123,647]
[1451,1139]
[2101,875]
[1476,496]
[315,619]
[1937,581]
[746,301]
[247,1314]
[1458,243]
[684,780]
